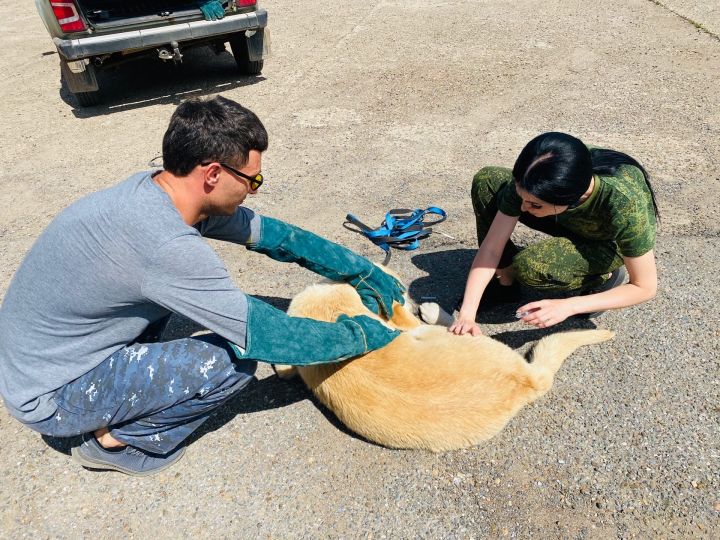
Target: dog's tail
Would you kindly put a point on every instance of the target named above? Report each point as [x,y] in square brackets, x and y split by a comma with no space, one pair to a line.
[551,351]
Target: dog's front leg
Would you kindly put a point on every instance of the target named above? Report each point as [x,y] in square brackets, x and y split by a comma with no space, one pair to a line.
[432,313]
[284,372]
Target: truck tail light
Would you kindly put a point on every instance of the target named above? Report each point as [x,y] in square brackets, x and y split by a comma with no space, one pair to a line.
[67,16]
[246,3]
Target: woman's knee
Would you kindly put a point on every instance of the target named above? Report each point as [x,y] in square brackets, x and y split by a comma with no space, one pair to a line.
[529,271]
[542,267]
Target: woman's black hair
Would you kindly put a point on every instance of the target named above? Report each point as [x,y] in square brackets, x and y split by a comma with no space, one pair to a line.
[606,162]
[557,168]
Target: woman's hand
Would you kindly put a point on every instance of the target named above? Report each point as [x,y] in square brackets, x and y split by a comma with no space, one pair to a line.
[465,325]
[482,271]
[641,288]
[545,313]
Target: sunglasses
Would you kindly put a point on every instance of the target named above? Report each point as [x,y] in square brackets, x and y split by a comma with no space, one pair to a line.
[255,181]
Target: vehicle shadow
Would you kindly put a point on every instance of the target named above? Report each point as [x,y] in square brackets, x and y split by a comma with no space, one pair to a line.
[148,81]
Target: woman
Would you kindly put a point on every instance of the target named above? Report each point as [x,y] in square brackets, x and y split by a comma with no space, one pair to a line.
[600,210]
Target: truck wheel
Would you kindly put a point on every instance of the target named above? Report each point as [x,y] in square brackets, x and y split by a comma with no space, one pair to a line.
[241,52]
[87,99]
[81,84]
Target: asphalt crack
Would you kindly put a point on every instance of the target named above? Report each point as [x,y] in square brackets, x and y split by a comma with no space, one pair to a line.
[696,24]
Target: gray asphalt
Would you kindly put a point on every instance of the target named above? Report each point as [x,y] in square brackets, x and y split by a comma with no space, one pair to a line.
[392,103]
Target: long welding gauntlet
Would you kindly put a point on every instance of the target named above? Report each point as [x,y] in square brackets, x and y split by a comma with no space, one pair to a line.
[273,336]
[288,243]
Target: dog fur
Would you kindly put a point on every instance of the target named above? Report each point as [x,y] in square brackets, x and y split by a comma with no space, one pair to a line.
[428,388]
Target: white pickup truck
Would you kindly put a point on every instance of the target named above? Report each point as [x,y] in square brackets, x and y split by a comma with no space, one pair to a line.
[93,34]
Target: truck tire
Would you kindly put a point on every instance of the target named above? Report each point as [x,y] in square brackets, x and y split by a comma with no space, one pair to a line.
[241,52]
[87,99]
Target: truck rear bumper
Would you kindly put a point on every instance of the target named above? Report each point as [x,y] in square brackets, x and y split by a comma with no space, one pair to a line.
[85,47]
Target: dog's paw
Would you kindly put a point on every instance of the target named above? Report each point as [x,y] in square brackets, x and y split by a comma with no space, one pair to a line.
[285,372]
[432,313]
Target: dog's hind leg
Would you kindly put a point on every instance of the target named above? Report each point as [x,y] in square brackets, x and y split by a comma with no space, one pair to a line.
[551,351]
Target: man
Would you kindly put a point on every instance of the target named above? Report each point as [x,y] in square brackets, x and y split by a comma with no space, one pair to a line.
[75,352]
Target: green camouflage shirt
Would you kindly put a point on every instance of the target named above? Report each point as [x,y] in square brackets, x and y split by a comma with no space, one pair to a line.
[619,209]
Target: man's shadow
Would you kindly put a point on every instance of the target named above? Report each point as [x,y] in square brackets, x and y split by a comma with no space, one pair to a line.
[259,395]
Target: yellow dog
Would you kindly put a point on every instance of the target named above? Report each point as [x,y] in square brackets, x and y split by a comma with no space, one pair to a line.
[428,388]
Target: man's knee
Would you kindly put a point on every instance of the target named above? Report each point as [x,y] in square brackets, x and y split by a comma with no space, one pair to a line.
[223,371]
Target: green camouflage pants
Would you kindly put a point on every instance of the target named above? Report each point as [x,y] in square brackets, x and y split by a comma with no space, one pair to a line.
[564,262]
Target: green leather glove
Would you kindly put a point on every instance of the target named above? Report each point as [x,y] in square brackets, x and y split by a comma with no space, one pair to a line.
[274,336]
[377,290]
[211,9]
[285,242]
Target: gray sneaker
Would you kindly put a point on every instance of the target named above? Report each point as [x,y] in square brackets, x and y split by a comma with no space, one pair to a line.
[616,279]
[129,460]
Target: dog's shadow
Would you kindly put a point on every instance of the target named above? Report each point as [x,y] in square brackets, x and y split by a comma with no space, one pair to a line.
[518,338]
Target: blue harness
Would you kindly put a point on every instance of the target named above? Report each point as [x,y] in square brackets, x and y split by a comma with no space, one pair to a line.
[401,229]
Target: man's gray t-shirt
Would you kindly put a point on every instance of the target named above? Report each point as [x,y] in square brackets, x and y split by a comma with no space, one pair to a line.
[106,267]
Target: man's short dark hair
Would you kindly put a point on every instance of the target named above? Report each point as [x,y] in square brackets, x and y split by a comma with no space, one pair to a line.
[217,129]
